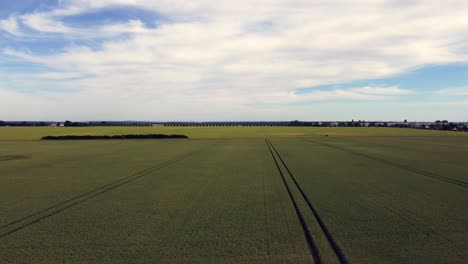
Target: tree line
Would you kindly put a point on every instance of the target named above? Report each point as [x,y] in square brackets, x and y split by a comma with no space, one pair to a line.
[437,125]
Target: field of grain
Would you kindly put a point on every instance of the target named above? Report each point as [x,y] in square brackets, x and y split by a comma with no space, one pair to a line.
[245,195]
[34,133]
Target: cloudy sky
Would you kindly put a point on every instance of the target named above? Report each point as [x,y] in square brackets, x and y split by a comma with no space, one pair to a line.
[234,60]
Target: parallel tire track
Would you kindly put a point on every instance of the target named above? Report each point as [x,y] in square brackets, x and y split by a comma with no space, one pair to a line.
[38,216]
[332,242]
[305,229]
[397,165]
[85,194]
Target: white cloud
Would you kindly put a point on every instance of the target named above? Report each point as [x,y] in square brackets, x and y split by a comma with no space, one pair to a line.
[357,93]
[44,23]
[243,52]
[462,91]
[385,91]
[11,26]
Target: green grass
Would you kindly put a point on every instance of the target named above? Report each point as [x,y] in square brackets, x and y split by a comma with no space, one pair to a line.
[32,133]
[385,197]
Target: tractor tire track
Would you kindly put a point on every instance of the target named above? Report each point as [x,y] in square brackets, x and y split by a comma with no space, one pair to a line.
[332,242]
[305,229]
[38,216]
[82,195]
[397,165]
[30,220]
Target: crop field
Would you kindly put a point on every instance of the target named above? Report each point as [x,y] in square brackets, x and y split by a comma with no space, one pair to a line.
[234,195]
[34,133]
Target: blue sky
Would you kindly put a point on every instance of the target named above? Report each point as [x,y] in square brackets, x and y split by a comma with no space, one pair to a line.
[225,60]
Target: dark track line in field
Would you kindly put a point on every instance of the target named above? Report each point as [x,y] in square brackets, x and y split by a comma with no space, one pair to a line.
[84,194]
[397,165]
[87,196]
[332,242]
[305,229]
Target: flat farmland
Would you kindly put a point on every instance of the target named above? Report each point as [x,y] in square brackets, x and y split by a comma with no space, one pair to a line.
[374,197]
[35,133]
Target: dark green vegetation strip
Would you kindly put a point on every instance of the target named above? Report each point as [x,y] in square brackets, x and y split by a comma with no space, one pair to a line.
[307,234]
[336,248]
[394,164]
[38,216]
[12,157]
[130,136]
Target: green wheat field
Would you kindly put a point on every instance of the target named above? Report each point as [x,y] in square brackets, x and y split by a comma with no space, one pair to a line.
[234,195]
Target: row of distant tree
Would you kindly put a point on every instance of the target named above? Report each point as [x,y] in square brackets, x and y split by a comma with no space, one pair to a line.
[280,123]
[104,123]
[438,124]
[72,124]
[23,123]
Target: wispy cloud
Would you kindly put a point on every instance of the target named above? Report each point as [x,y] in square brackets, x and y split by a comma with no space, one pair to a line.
[462,91]
[11,26]
[357,93]
[43,23]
